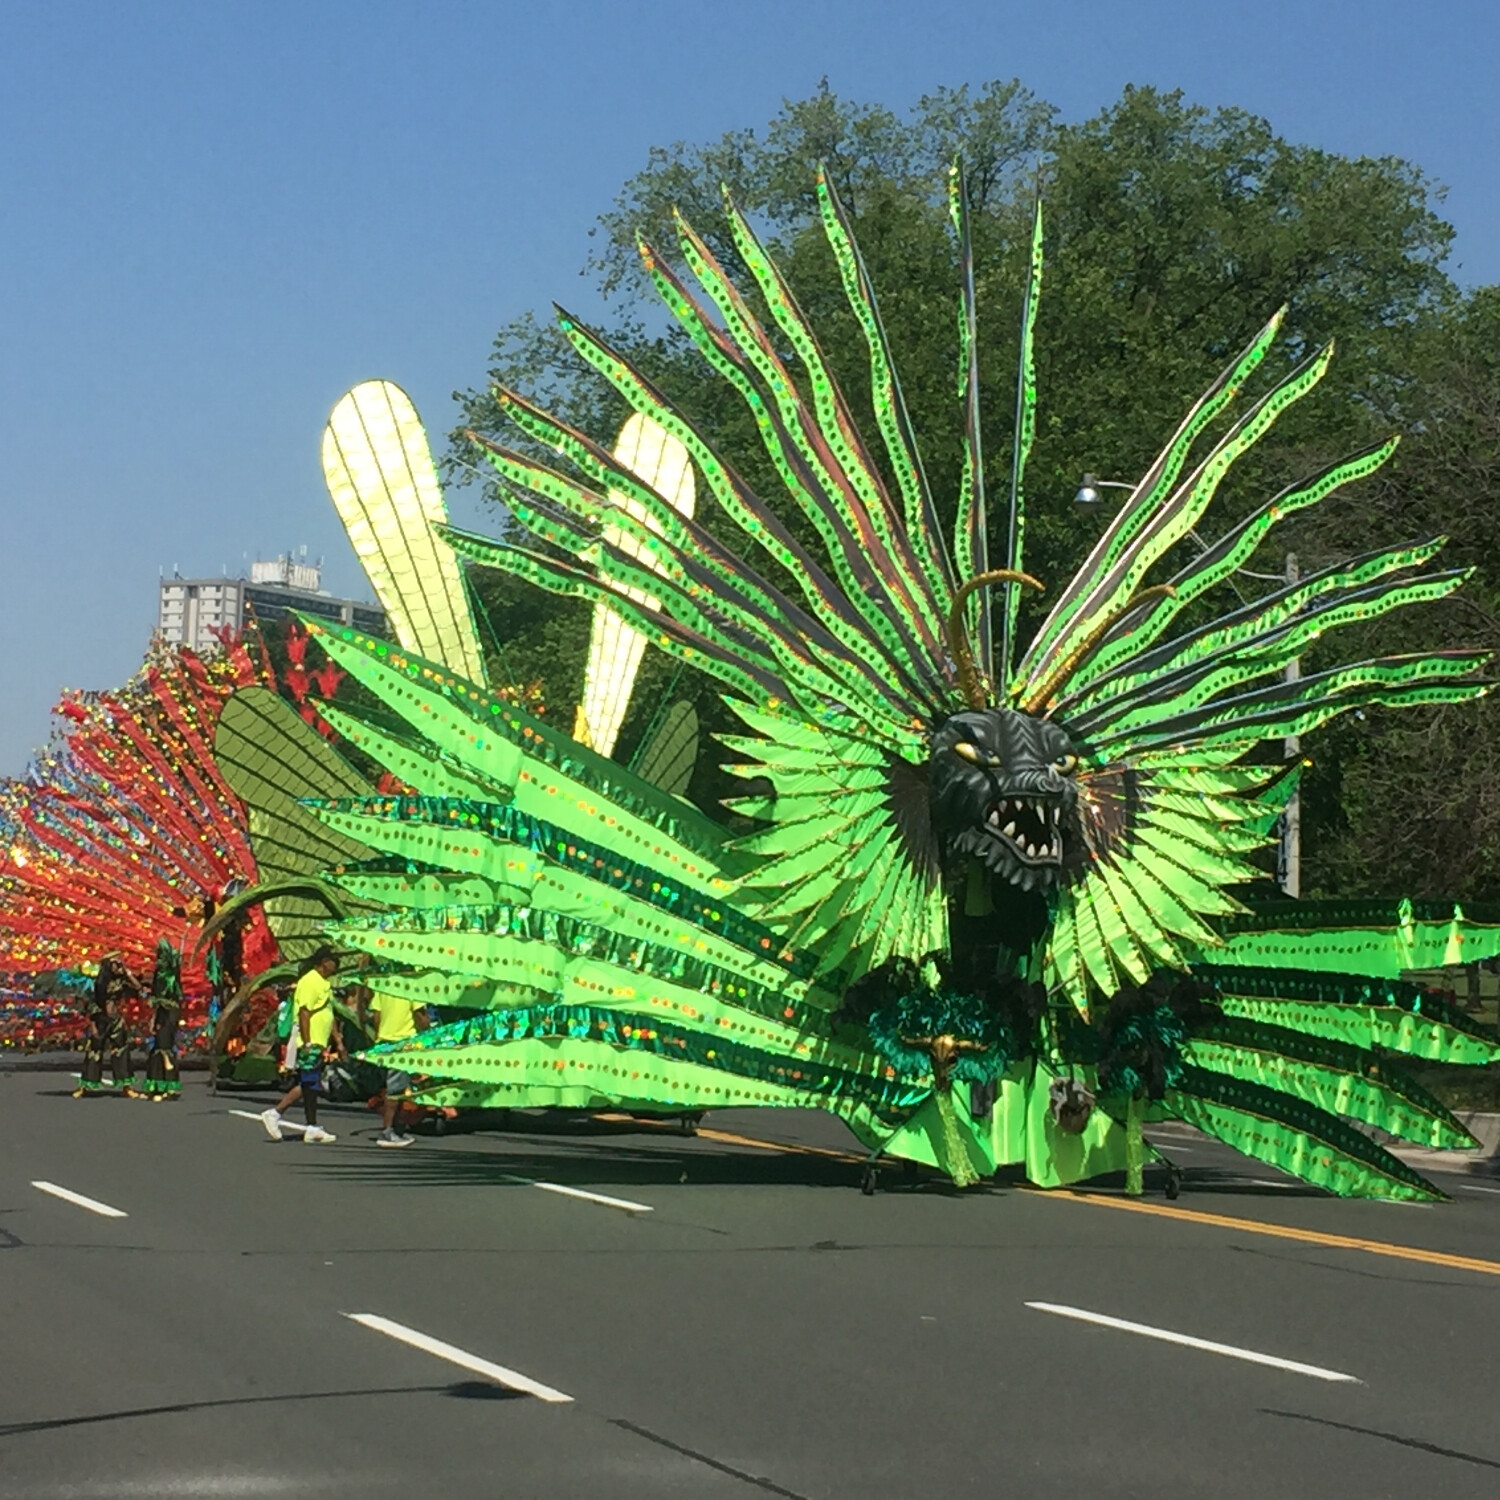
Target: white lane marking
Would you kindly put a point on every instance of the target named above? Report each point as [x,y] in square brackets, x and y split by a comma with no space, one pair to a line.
[1166,1336]
[250,1114]
[93,1205]
[512,1379]
[1466,1187]
[570,1192]
[608,1202]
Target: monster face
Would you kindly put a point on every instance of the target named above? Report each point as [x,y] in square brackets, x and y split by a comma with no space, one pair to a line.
[1002,790]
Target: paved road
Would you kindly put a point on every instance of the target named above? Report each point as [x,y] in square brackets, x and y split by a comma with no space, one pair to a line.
[762,1330]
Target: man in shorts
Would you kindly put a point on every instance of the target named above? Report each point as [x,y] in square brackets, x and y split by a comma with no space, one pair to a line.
[395,1020]
[317,1031]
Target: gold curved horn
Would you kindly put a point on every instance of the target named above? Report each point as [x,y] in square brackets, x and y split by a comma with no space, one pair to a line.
[970,683]
[1039,697]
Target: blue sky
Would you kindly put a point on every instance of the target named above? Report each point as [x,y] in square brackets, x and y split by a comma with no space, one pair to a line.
[218,217]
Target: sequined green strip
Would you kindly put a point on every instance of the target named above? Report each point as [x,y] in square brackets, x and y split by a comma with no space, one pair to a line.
[496,718]
[509,825]
[889,1094]
[571,935]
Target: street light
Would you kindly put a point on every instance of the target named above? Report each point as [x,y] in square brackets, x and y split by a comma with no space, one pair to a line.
[1289,854]
[1088,491]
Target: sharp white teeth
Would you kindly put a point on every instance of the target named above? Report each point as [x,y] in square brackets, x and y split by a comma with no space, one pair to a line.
[1031,851]
[1009,830]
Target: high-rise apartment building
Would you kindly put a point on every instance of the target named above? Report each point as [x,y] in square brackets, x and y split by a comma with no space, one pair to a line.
[192,611]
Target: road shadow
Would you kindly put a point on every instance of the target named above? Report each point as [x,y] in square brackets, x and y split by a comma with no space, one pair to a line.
[580,1163]
[1389,1437]
[463,1390]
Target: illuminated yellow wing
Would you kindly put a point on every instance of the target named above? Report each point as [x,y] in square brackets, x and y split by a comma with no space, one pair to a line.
[379,472]
[615,648]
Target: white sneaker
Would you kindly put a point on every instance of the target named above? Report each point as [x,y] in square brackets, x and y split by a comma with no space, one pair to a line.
[390,1138]
[272,1121]
[315,1135]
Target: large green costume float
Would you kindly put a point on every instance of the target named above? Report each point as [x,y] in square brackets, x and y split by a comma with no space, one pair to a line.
[988,914]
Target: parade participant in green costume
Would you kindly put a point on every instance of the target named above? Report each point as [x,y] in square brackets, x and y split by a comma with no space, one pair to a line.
[108,1036]
[162,1078]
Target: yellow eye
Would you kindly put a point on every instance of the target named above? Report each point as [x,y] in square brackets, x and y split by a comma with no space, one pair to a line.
[974,755]
[1067,765]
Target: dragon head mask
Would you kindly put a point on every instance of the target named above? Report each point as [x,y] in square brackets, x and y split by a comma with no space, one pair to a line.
[1003,792]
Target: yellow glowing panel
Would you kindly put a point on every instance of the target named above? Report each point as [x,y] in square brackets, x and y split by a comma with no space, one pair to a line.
[379,471]
[615,650]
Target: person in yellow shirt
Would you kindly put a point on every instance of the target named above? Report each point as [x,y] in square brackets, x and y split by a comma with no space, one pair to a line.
[394,1020]
[317,1031]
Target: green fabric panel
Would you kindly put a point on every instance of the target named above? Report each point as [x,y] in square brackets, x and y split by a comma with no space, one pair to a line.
[1071,620]
[1097,899]
[923,528]
[1372,1026]
[573,878]
[1383,950]
[1145,928]
[619,1059]
[270,756]
[1221,867]
[498,741]
[1063,969]
[417,765]
[1355,1095]
[410,890]
[667,759]
[922,1138]
[1173,521]
[1266,1137]
[1054,1158]
[745,1013]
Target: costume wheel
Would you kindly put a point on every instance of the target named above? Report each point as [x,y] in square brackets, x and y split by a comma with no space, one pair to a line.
[867,1180]
[1174,1182]
[688,1124]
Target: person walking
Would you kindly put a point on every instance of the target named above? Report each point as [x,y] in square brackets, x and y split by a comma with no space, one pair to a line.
[317,1032]
[395,1020]
[109,1037]
[162,1078]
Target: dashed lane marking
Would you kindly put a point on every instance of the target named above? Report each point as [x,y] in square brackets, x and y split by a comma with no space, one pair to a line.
[93,1205]
[1208,1346]
[510,1379]
[250,1114]
[602,1198]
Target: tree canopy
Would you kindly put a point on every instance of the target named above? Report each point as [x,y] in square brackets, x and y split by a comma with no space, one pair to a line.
[1173,232]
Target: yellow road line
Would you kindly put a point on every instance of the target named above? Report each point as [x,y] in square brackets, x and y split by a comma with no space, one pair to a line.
[788,1146]
[709,1134]
[1189,1215]
[1288,1232]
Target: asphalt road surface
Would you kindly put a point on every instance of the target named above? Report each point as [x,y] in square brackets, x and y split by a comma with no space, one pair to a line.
[725,1317]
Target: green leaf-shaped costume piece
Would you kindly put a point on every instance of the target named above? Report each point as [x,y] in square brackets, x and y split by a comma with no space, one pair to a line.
[1044,832]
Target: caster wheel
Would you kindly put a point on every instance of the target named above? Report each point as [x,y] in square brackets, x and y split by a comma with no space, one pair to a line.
[1174,1184]
[687,1125]
[867,1180]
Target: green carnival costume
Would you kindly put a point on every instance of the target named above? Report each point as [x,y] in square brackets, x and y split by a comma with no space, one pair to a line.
[987,917]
